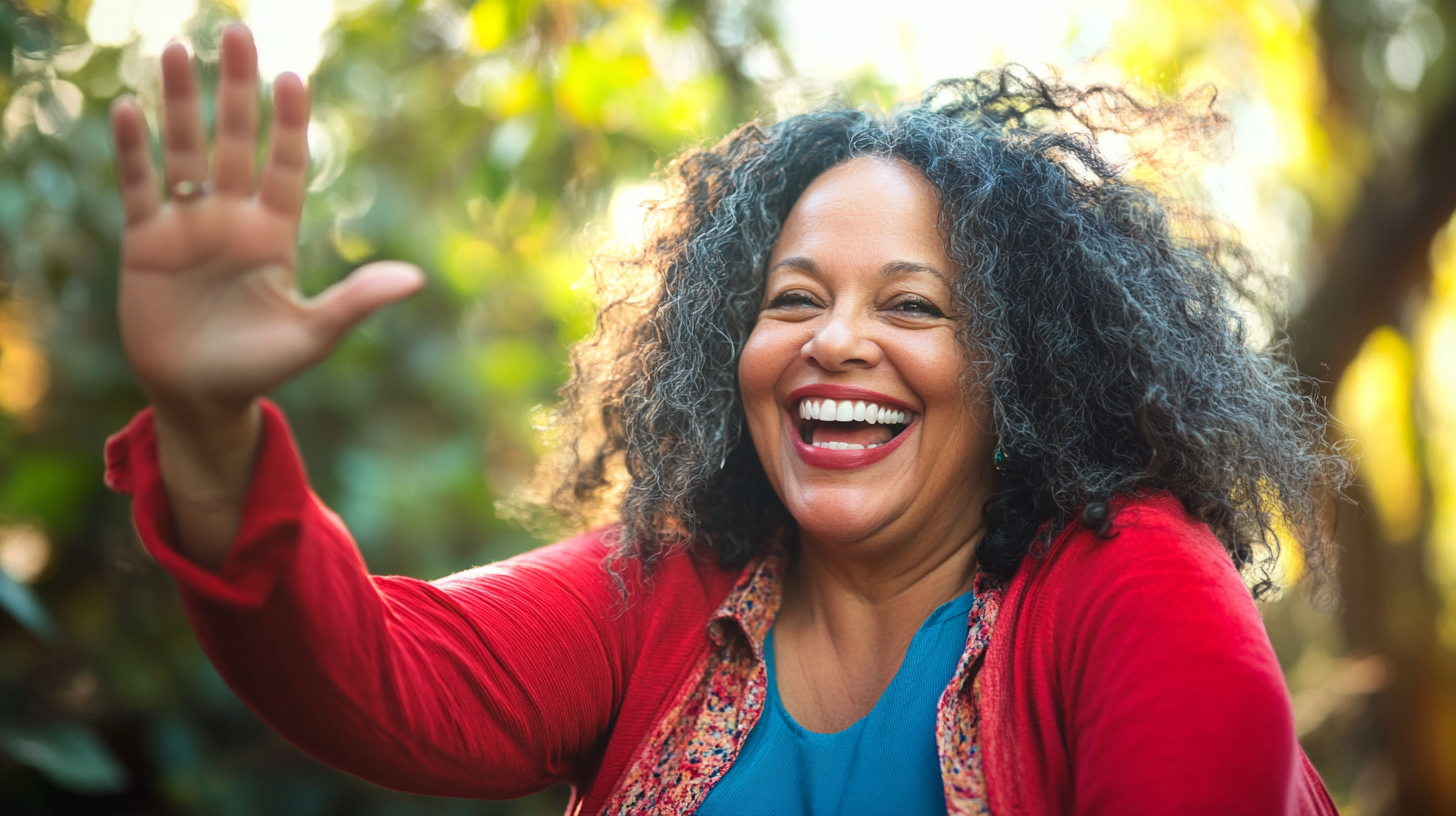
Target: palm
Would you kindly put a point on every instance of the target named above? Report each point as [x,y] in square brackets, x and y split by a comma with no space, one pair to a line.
[206,302]
[209,312]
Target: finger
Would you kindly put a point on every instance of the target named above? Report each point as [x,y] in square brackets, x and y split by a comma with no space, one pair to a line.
[135,175]
[184,148]
[341,306]
[237,115]
[286,174]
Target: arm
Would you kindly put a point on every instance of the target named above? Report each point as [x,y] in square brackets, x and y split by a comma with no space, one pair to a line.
[1176,702]
[492,683]
[489,684]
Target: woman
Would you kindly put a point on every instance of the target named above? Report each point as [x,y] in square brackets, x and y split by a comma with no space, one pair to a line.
[934,452]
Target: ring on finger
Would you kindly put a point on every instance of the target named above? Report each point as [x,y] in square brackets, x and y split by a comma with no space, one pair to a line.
[187,190]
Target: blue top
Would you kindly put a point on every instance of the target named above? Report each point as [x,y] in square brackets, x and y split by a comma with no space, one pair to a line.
[884,763]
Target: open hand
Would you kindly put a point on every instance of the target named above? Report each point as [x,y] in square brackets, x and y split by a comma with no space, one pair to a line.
[210,315]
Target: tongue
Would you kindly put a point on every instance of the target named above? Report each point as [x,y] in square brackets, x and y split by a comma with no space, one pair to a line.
[851,433]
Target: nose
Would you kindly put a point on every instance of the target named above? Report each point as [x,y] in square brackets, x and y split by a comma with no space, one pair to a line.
[840,342]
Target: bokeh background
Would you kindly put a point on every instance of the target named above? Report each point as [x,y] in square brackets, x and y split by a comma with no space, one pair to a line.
[499,144]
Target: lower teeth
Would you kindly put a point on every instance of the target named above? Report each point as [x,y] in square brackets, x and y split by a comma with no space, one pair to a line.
[842,446]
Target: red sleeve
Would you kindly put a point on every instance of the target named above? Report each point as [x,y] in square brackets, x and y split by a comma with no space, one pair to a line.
[1175,701]
[492,683]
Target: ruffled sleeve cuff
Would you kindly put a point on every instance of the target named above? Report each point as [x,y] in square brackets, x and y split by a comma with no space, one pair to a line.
[273,517]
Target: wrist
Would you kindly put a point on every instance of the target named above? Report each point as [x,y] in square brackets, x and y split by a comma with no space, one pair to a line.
[206,452]
[204,421]
[206,459]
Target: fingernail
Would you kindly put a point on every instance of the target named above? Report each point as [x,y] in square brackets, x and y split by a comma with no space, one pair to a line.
[406,274]
[411,273]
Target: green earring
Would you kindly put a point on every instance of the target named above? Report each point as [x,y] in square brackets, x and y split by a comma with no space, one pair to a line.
[1001,458]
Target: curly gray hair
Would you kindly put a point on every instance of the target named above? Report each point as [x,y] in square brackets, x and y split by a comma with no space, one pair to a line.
[1110,318]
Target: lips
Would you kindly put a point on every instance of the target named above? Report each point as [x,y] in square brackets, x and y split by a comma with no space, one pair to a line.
[840,427]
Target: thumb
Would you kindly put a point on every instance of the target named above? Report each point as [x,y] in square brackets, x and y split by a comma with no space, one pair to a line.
[339,307]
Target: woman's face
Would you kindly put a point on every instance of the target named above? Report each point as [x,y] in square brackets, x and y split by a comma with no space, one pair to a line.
[858,313]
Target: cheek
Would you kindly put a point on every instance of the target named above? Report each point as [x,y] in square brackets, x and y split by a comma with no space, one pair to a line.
[768,354]
[935,365]
[932,362]
[752,373]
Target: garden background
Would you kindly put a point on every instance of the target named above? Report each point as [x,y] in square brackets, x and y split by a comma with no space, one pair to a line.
[498,145]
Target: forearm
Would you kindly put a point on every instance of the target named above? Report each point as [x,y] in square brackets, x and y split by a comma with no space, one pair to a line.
[206,459]
[385,679]
[487,685]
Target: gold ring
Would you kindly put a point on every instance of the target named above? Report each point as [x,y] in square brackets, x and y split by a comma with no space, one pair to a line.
[190,190]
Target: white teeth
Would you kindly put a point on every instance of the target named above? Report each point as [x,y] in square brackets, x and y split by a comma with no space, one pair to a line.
[846,411]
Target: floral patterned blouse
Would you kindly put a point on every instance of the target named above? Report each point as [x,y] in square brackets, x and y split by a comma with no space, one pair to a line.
[705,728]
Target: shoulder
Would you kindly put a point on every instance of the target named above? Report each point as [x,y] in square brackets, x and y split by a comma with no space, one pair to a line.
[1159,584]
[1157,599]
[1143,657]
[1154,546]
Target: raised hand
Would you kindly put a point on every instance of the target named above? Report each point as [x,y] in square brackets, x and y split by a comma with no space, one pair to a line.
[210,315]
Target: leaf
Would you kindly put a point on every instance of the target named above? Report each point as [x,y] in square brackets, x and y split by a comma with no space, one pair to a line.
[70,755]
[24,606]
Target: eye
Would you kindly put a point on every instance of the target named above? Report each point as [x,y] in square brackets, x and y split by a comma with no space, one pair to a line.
[793,299]
[915,305]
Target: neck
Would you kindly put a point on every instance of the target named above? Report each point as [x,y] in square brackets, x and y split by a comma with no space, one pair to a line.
[870,595]
[851,609]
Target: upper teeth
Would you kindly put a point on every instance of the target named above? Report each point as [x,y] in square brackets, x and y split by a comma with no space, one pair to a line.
[849,411]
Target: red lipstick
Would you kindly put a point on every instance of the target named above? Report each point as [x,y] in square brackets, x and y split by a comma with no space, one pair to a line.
[840,392]
[843,459]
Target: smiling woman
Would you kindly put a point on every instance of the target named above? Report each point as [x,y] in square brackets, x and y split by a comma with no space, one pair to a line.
[857,312]
[927,464]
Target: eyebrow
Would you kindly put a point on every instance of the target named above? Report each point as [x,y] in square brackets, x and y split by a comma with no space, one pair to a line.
[891,268]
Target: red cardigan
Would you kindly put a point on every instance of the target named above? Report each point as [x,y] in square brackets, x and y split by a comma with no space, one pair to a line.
[1129,675]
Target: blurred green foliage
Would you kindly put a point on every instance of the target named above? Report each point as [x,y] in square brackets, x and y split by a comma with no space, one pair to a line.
[476,141]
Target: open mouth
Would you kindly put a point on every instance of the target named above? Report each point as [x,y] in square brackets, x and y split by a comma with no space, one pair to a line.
[850,424]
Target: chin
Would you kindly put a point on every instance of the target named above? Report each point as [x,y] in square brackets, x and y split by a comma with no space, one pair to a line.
[839,515]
